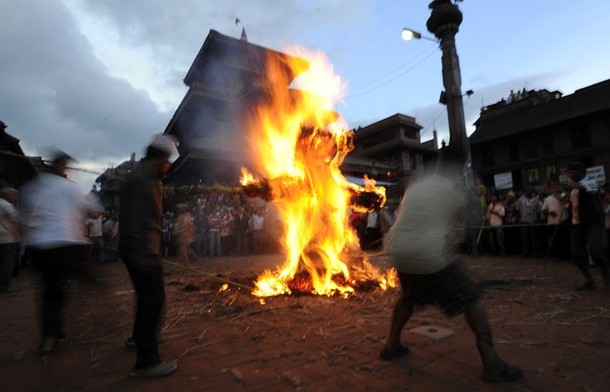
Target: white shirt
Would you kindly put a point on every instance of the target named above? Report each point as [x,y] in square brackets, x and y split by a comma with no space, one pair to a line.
[426,225]
[258,222]
[95,226]
[9,229]
[495,214]
[552,204]
[371,220]
[54,212]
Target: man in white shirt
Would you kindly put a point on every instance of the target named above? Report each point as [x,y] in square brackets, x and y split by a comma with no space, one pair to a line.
[54,209]
[372,230]
[257,223]
[424,243]
[495,218]
[96,235]
[554,208]
[9,237]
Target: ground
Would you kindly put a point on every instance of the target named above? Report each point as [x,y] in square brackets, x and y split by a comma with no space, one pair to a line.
[229,341]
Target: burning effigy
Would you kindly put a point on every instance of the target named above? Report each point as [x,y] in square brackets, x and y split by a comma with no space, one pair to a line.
[299,142]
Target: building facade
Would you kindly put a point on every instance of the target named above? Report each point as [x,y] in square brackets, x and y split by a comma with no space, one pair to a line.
[527,140]
[394,150]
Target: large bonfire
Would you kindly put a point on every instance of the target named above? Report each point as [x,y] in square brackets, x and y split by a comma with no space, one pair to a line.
[299,142]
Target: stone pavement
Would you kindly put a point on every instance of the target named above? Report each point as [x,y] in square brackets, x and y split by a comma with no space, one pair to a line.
[229,341]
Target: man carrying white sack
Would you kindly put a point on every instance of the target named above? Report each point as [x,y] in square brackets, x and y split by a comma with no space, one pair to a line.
[424,245]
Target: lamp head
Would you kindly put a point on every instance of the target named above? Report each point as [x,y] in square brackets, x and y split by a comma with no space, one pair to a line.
[408,34]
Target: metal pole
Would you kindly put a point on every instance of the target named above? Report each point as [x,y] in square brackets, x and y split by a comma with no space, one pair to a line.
[444,23]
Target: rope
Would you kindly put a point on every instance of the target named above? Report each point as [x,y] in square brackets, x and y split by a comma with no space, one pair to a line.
[511,225]
[209,276]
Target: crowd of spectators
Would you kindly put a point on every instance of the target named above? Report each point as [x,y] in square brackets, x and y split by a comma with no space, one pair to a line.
[528,224]
[220,224]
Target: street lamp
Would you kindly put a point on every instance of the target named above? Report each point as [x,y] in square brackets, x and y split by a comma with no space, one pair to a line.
[408,34]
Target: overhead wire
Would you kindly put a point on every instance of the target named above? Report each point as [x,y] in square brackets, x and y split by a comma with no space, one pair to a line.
[426,129]
[391,80]
[428,55]
[361,86]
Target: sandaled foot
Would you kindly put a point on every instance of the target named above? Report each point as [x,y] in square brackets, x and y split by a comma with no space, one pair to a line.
[388,355]
[587,286]
[510,373]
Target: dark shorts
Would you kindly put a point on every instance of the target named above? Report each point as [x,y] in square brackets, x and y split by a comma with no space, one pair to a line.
[450,288]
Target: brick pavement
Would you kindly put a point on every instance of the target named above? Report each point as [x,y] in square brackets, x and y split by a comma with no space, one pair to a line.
[228,341]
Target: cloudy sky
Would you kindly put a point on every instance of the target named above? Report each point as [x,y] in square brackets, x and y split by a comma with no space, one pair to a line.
[99,78]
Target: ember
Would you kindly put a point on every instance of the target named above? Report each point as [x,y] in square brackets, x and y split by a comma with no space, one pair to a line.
[300,142]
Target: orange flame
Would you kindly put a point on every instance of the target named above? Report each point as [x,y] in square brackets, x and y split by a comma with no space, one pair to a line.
[300,142]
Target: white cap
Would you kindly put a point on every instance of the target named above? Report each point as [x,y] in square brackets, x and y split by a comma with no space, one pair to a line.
[166,143]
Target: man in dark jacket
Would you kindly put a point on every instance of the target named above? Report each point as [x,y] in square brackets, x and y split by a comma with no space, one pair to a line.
[140,219]
[588,225]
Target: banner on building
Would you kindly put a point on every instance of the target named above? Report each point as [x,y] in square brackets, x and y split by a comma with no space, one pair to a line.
[597,173]
[503,180]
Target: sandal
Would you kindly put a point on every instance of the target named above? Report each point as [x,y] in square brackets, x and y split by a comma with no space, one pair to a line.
[388,355]
[510,373]
[587,286]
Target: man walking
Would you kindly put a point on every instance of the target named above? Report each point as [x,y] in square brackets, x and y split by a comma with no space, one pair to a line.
[9,237]
[140,218]
[54,210]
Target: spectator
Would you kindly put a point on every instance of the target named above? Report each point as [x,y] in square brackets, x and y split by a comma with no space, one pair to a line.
[372,233]
[227,234]
[242,229]
[200,224]
[606,200]
[9,238]
[184,230]
[387,215]
[512,242]
[258,231]
[167,229]
[495,217]
[95,234]
[214,233]
[529,207]
[587,226]
[554,209]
